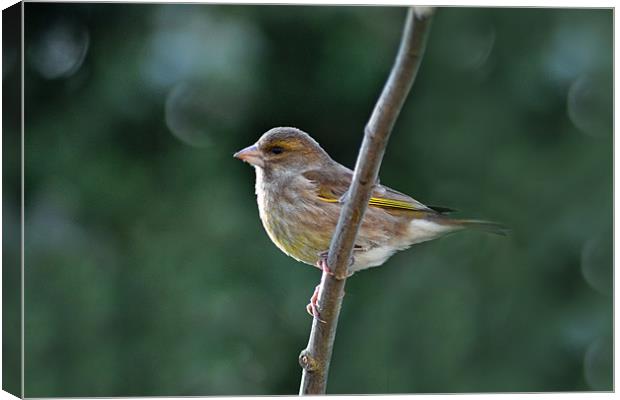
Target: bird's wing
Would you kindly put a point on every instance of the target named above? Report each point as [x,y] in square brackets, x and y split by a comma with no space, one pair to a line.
[384,197]
[332,186]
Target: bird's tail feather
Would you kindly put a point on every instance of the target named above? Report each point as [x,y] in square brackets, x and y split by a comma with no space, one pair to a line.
[484,226]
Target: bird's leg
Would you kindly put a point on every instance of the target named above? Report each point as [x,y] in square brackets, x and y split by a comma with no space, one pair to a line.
[313,306]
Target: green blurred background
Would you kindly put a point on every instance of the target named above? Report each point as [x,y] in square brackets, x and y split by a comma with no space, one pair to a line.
[147,268]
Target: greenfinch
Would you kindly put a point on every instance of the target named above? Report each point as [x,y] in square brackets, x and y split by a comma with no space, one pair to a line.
[300,191]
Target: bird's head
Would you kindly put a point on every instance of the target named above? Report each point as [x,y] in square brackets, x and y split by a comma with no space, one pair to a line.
[284,149]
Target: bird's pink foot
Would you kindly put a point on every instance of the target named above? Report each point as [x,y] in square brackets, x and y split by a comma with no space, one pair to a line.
[313,306]
[322,265]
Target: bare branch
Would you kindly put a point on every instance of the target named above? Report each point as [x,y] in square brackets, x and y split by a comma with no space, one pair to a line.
[316,357]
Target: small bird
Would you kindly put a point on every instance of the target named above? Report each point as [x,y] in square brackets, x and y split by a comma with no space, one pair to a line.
[300,191]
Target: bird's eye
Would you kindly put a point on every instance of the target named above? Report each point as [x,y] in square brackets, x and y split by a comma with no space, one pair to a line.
[277,149]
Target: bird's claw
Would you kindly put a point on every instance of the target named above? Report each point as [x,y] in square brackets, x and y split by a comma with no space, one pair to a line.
[322,265]
[313,307]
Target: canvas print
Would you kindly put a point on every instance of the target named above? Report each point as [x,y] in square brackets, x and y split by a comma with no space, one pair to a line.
[281,199]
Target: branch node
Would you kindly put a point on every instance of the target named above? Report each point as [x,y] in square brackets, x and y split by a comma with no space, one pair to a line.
[308,362]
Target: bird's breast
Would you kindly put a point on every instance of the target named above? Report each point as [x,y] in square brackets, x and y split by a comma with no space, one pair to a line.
[293,219]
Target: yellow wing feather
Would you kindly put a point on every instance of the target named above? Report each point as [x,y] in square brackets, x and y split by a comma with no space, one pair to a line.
[379,202]
[329,199]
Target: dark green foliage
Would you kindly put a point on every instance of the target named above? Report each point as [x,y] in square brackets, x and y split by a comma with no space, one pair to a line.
[148,271]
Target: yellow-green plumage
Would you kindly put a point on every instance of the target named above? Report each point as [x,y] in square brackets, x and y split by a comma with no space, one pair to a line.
[292,223]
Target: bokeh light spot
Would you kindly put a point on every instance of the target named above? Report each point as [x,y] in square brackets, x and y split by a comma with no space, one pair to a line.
[590,105]
[196,113]
[596,264]
[187,115]
[470,47]
[477,46]
[569,51]
[60,51]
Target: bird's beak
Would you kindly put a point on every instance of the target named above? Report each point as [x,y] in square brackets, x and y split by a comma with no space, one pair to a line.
[250,155]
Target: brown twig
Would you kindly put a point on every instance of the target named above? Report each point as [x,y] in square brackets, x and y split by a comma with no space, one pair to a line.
[316,357]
